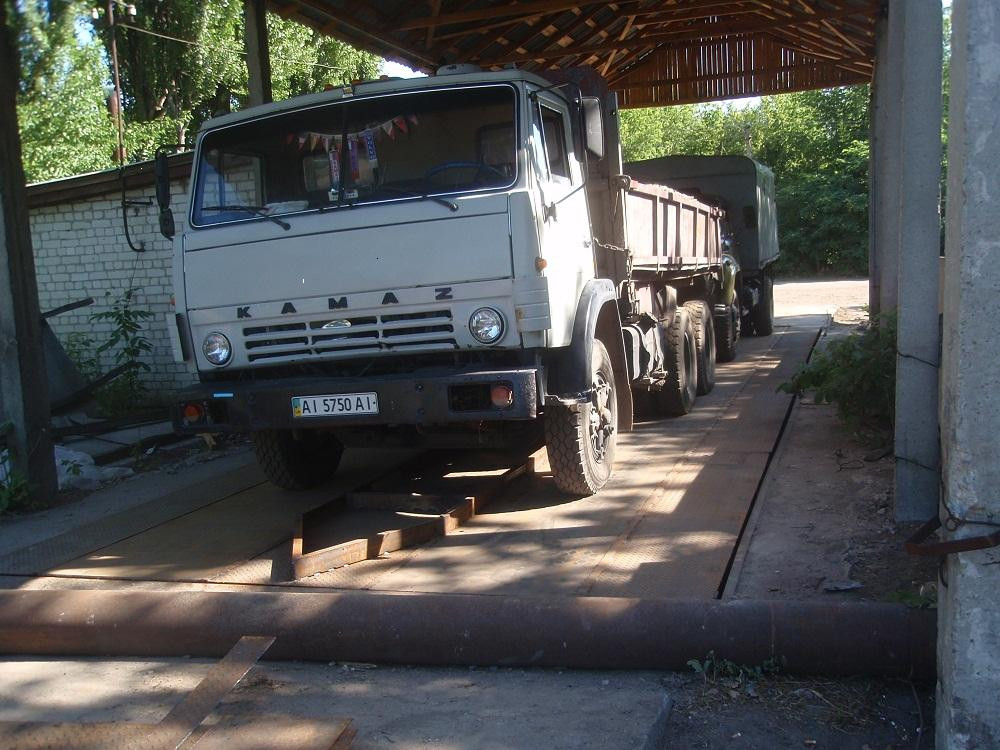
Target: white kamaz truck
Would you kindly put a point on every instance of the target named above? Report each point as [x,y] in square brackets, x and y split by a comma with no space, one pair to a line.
[461,261]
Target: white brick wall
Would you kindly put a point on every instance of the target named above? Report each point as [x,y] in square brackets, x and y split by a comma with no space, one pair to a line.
[80,251]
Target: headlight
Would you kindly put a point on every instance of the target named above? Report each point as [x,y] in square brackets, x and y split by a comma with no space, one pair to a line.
[217,349]
[486,325]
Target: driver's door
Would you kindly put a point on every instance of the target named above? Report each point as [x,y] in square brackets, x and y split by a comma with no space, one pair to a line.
[564,223]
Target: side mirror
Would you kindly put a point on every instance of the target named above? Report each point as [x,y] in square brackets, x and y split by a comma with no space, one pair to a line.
[593,126]
[167,228]
[162,181]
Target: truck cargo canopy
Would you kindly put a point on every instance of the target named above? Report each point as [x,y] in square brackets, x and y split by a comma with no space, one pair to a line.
[651,52]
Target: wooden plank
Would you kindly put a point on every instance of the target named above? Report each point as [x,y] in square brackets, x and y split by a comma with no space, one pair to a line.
[224,675]
[36,735]
[275,732]
[374,546]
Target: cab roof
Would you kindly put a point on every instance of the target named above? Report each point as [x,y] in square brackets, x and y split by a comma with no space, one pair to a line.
[368,88]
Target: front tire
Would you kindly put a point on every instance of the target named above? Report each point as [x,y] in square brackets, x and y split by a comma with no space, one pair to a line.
[581,443]
[297,460]
[727,333]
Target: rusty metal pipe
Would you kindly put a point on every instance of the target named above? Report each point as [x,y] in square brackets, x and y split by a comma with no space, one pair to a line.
[459,629]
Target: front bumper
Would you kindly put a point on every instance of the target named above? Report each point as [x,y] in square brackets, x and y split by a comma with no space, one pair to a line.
[413,399]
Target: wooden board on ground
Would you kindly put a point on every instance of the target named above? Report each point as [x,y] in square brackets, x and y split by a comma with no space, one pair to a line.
[409,519]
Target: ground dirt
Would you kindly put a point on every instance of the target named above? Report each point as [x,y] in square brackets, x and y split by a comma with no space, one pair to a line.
[822,528]
[785,713]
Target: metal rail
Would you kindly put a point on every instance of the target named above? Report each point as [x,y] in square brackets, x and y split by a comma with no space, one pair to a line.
[429,515]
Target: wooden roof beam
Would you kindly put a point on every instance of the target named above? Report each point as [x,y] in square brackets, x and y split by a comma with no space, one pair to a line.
[700,32]
[614,53]
[627,64]
[761,71]
[542,23]
[817,36]
[435,12]
[637,102]
[340,19]
[790,42]
[498,11]
[581,20]
[691,12]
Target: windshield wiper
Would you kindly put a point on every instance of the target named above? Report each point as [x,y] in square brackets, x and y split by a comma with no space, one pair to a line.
[259,210]
[414,194]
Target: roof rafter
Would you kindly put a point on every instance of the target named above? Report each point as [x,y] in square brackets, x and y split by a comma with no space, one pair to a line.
[652,52]
[707,32]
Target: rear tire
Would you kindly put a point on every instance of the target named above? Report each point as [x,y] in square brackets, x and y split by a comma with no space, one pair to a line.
[678,393]
[297,460]
[581,443]
[704,330]
[727,333]
[762,316]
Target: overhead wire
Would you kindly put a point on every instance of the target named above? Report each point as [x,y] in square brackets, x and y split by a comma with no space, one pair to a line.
[228,49]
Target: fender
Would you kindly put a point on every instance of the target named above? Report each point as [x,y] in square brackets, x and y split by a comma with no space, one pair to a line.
[596,317]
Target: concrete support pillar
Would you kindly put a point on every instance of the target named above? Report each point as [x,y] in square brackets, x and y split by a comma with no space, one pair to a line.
[24,399]
[887,128]
[258,51]
[968,706]
[877,144]
[918,268]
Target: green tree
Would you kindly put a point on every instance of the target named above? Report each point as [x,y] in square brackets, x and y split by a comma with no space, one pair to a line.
[62,109]
[44,30]
[65,129]
[170,87]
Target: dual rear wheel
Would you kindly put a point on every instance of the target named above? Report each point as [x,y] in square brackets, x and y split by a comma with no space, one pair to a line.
[690,350]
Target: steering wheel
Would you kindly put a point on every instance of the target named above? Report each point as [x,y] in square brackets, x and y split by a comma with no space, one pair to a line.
[479,166]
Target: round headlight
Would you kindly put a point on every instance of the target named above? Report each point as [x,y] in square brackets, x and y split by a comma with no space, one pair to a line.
[486,325]
[217,349]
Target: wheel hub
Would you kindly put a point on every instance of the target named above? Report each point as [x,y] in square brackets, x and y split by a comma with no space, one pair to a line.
[601,424]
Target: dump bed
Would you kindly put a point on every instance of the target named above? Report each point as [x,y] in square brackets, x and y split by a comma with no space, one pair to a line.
[667,230]
[743,187]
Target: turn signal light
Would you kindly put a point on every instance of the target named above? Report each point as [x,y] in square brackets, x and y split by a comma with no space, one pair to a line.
[193,413]
[502,396]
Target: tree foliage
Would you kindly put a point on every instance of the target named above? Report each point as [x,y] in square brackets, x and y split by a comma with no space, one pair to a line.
[169,87]
[817,144]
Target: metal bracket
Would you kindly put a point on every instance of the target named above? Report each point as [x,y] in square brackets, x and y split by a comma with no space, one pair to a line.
[914,545]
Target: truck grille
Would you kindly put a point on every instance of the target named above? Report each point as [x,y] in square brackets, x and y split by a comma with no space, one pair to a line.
[331,338]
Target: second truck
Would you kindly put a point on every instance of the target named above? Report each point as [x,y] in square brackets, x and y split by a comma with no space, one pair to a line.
[459,260]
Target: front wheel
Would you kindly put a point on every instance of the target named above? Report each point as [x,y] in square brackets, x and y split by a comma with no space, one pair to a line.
[297,460]
[580,440]
[727,333]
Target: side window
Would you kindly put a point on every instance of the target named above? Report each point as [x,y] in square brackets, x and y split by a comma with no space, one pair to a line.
[232,180]
[554,126]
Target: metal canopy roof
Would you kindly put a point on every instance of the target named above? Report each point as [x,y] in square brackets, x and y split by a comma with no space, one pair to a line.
[652,52]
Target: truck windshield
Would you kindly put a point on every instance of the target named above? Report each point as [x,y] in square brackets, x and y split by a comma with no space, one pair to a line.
[366,150]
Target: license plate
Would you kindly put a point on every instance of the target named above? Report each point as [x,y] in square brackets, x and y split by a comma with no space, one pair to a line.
[334,405]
